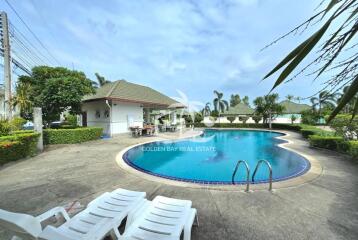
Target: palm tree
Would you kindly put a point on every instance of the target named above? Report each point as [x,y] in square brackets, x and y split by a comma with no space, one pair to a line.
[22,98]
[245,100]
[206,110]
[324,99]
[290,97]
[220,104]
[101,80]
[349,107]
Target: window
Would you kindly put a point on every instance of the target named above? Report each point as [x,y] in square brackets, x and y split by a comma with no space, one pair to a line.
[98,114]
[106,114]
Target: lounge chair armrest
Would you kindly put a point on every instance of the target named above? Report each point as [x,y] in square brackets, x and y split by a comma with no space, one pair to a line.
[53,212]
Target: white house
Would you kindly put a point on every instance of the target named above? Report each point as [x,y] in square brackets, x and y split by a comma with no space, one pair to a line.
[291,109]
[118,105]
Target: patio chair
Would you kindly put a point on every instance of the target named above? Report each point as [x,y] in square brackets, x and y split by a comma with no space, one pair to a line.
[162,219]
[101,217]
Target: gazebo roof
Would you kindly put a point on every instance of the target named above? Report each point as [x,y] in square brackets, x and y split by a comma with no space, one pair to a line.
[292,107]
[239,109]
[122,90]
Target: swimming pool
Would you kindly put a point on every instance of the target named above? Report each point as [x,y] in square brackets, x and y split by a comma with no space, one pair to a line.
[211,157]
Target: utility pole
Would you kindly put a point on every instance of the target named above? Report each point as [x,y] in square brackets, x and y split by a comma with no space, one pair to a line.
[7,65]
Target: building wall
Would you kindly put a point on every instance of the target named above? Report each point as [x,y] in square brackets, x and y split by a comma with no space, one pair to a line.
[95,119]
[125,115]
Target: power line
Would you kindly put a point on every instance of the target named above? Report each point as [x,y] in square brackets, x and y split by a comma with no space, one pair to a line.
[33,34]
[17,63]
[28,52]
[21,35]
[21,44]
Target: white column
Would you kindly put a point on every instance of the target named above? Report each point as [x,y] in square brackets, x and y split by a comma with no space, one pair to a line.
[38,126]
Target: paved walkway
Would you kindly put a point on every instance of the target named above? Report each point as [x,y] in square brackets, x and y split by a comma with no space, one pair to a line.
[326,208]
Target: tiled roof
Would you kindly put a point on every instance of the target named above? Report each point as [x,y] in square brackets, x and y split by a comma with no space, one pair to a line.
[239,109]
[291,107]
[125,91]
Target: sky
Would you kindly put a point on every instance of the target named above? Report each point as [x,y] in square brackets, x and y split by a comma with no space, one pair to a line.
[194,46]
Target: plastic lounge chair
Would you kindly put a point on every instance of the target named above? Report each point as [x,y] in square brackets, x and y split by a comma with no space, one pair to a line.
[162,219]
[25,225]
[101,217]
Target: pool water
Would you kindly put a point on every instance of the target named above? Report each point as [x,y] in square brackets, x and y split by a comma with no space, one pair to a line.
[212,157]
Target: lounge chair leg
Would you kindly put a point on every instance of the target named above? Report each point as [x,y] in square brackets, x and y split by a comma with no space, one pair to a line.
[187,228]
[197,220]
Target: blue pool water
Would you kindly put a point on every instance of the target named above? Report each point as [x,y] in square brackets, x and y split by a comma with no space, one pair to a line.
[211,158]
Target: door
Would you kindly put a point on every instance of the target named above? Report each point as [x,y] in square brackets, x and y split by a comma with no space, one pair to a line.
[84,119]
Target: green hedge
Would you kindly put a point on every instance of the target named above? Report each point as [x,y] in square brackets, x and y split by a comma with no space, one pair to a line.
[353,149]
[230,125]
[332,143]
[281,126]
[67,136]
[14,147]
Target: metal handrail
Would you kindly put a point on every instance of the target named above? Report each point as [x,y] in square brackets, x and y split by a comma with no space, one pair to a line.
[247,173]
[269,167]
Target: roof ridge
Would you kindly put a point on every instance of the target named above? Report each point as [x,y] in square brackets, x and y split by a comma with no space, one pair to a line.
[112,88]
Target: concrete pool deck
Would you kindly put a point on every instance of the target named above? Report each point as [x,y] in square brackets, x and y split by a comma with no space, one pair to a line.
[325,208]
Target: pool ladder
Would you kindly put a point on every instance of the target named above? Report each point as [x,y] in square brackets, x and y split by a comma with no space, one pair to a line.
[253,175]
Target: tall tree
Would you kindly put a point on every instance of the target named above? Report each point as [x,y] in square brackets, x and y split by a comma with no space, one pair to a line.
[268,107]
[22,99]
[220,104]
[246,101]
[324,99]
[234,100]
[290,97]
[206,110]
[101,80]
[340,19]
[57,89]
[349,107]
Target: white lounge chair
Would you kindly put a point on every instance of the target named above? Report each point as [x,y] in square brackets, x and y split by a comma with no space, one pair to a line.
[101,217]
[25,225]
[162,219]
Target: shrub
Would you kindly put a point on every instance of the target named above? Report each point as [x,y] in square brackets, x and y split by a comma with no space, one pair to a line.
[22,131]
[10,151]
[257,118]
[65,126]
[17,123]
[67,136]
[293,118]
[5,127]
[332,143]
[14,147]
[232,125]
[309,117]
[309,132]
[292,127]
[345,126]
[353,149]
[231,118]
[244,118]
[71,120]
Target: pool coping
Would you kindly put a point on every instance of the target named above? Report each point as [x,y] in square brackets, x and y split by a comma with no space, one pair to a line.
[311,174]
